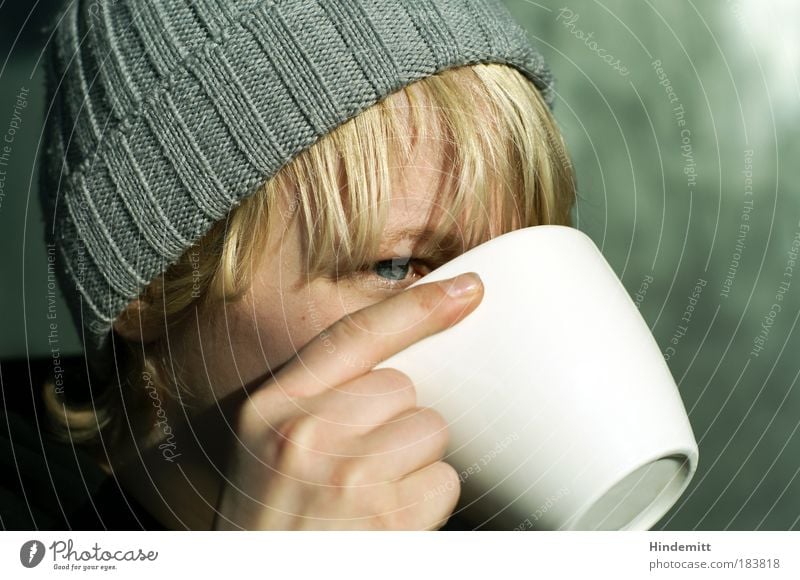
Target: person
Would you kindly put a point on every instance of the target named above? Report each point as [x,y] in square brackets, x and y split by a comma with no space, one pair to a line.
[240,195]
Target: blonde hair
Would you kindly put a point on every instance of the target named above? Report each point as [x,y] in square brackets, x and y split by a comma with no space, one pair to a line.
[509,167]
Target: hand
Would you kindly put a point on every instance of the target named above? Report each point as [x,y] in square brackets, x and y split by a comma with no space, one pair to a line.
[328,445]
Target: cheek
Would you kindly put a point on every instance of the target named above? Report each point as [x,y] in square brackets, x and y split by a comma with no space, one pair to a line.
[286,325]
[294,319]
[262,334]
[284,322]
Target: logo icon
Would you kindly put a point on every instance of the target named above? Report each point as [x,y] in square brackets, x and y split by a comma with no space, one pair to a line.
[31,553]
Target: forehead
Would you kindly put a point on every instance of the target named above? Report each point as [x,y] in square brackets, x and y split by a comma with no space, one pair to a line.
[417,183]
[415,204]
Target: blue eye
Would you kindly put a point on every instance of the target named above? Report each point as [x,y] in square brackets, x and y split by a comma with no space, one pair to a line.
[395,269]
[392,274]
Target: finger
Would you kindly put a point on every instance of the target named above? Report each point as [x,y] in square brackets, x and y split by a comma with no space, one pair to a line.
[347,411]
[430,496]
[408,442]
[359,341]
[364,403]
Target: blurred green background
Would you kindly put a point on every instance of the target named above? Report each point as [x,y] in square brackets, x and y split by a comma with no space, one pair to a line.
[681,119]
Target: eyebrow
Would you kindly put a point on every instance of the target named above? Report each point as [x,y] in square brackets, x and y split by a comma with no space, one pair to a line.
[447,249]
[422,234]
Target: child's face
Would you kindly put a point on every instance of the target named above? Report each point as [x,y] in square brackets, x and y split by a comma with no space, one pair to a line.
[241,343]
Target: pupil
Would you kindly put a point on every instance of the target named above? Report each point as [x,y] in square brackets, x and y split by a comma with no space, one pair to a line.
[394,269]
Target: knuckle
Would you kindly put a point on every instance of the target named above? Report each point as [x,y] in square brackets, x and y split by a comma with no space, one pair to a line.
[398,519]
[295,441]
[347,474]
[445,493]
[351,326]
[435,425]
[397,383]
[448,473]
[434,419]
[448,477]
[430,296]
[297,428]
[254,417]
[249,418]
[261,411]
[390,514]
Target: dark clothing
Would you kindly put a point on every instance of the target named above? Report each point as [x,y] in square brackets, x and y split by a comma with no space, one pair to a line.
[46,484]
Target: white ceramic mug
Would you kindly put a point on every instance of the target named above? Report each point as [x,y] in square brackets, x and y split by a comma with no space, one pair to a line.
[562,411]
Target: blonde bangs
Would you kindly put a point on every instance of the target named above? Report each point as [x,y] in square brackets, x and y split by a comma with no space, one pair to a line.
[505,167]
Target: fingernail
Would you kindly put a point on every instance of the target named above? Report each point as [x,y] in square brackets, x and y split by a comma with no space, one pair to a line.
[463,285]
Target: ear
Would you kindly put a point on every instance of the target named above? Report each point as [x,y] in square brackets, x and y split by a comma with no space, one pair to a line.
[138,323]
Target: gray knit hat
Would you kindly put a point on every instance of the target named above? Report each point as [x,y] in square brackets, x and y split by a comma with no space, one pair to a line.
[163,114]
